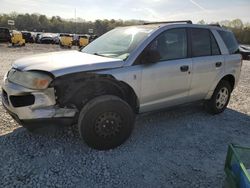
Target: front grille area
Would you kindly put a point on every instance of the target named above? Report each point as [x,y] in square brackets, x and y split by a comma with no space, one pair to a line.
[21,101]
[5,97]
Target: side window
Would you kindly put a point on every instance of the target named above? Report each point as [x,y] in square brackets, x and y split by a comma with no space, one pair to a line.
[230,41]
[200,42]
[170,45]
[214,45]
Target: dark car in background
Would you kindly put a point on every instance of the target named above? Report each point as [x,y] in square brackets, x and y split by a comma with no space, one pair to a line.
[92,38]
[47,38]
[245,51]
[75,39]
[56,38]
[4,34]
[37,37]
[28,36]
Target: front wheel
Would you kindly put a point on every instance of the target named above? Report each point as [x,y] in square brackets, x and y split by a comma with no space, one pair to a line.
[220,98]
[106,122]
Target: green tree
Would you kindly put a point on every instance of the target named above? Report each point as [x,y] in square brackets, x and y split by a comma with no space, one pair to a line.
[202,22]
[57,24]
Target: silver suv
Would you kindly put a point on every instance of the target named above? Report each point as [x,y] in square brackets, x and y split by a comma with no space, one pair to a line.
[126,71]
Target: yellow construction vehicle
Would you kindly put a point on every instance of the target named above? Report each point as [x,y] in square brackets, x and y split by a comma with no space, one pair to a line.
[83,40]
[66,40]
[17,39]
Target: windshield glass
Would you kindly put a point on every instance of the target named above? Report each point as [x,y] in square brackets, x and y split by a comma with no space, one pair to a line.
[117,43]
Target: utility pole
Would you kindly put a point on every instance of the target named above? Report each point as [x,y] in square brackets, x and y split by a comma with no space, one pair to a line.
[75,20]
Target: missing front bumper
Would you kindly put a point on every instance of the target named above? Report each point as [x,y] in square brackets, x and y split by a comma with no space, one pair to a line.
[43,107]
[33,124]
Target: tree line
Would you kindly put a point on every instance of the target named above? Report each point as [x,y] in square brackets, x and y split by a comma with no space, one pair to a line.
[241,30]
[56,24]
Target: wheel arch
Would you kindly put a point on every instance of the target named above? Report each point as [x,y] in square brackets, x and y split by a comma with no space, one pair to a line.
[91,85]
[229,77]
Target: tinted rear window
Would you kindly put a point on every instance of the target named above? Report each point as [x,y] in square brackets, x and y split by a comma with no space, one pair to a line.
[229,41]
[200,42]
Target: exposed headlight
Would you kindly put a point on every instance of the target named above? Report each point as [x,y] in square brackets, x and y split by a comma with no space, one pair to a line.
[30,79]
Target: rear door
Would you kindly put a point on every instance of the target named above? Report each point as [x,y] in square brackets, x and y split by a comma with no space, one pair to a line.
[207,61]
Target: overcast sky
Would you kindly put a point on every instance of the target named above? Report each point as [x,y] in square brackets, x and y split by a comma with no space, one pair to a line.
[151,10]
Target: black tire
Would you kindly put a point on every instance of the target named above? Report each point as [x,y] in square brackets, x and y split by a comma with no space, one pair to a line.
[212,105]
[105,122]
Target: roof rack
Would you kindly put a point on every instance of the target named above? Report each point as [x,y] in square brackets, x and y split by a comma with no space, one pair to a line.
[166,22]
[216,25]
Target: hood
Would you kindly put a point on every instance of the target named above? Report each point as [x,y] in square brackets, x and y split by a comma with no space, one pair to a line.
[245,48]
[65,62]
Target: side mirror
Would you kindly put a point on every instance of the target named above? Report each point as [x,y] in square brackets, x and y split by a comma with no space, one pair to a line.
[150,56]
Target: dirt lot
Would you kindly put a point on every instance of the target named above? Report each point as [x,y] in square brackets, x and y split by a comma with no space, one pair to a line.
[180,147]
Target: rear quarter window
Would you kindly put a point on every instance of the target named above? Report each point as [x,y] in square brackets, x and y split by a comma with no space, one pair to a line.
[230,41]
[214,45]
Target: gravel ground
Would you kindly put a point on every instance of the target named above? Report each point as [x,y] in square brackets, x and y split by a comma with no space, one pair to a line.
[179,147]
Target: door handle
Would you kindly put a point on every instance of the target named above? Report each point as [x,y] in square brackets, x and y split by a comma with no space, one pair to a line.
[184,68]
[218,64]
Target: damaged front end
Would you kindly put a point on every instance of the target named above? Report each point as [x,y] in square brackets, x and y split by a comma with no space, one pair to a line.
[33,102]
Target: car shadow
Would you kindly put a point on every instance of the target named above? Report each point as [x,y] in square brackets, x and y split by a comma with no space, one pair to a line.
[16,46]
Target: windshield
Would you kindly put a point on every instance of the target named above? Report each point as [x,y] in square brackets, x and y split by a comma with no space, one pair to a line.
[117,43]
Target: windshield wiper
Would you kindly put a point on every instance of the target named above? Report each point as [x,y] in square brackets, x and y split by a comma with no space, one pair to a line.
[99,54]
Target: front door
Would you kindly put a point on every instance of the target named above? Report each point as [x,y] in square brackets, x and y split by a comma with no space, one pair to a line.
[166,82]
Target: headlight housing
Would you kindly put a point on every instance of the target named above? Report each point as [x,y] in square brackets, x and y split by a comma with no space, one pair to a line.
[29,79]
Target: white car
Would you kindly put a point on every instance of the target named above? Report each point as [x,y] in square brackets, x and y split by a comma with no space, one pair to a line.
[126,71]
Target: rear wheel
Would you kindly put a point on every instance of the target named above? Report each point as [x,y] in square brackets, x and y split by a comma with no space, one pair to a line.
[220,98]
[105,122]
